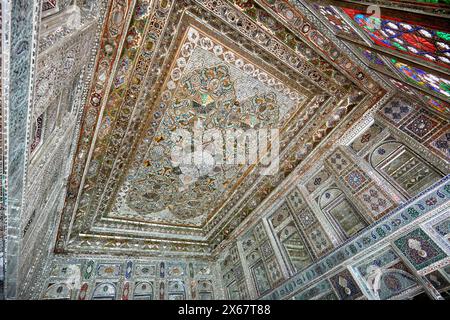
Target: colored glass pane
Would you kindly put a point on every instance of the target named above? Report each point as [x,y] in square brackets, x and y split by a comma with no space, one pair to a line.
[423,79]
[372,57]
[438,105]
[418,41]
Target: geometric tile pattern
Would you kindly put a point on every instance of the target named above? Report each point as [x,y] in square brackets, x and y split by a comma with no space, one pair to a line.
[319,240]
[442,144]
[345,286]
[274,271]
[338,162]
[419,249]
[259,255]
[396,110]
[356,180]
[376,201]
[421,126]
[281,214]
[366,138]
[295,199]
[317,180]
[307,217]
[266,250]
[117,280]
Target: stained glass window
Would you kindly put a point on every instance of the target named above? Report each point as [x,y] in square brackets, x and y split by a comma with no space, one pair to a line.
[414,40]
[333,17]
[423,79]
[433,103]
[437,105]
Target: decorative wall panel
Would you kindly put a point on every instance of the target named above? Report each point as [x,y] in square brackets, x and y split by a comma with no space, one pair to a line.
[402,167]
[420,249]
[259,255]
[233,277]
[310,228]
[345,286]
[365,192]
[129,280]
[386,276]
[371,238]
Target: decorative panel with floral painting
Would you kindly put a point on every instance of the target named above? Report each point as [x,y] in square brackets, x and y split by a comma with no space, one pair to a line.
[386,276]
